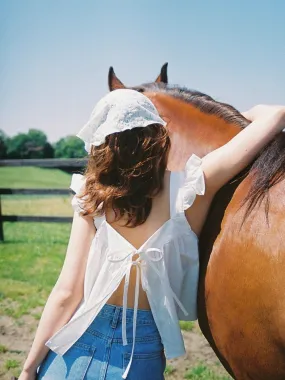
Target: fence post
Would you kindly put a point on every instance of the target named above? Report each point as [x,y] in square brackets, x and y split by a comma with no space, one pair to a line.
[1,224]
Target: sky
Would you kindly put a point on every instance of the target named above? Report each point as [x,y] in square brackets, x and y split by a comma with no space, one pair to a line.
[55,54]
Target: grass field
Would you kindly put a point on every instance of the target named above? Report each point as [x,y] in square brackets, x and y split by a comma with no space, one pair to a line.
[30,261]
[24,177]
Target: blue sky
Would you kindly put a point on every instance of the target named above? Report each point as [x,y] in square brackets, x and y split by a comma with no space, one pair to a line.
[55,54]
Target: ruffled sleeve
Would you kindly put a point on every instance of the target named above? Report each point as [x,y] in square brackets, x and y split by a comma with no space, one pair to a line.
[194,182]
[77,185]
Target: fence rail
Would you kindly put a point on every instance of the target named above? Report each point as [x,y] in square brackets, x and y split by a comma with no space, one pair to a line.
[46,219]
[46,162]
[68,165]
[7,191]
[24,218]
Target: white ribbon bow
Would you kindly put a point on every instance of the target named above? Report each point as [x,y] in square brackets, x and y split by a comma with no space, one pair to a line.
[144,257]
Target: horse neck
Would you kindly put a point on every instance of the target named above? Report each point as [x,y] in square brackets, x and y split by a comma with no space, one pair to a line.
[191,130]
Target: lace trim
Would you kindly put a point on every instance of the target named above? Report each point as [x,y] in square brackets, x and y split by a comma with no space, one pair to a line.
[116,112]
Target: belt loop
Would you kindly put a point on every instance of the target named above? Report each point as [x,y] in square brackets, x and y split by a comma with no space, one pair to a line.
[116,316]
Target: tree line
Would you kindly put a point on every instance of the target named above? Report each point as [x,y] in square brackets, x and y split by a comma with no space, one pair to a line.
[35,144]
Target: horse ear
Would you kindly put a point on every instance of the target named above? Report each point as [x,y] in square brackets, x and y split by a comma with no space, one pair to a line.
[163,78]
[113,81]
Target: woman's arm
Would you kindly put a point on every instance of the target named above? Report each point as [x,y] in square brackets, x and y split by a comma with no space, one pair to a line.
[227,161]
[224,163]
[66,294]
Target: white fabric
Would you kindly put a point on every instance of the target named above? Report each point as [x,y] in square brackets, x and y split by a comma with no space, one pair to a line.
[167,264]
[118,111]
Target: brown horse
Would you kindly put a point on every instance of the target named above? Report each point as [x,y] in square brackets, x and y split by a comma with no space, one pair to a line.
[241,298]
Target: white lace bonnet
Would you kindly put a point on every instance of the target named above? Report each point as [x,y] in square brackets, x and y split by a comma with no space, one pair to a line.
[118,111]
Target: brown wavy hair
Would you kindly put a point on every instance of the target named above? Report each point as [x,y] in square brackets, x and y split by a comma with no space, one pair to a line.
[126,172]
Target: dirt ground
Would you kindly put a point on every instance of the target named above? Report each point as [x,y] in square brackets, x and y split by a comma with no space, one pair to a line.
[17,336]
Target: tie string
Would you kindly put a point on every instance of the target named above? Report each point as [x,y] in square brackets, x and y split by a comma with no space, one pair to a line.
[150,256]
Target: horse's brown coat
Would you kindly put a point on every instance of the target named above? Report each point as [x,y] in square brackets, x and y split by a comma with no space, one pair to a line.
[242,283]
[245,288]
[241,300]
[187,129]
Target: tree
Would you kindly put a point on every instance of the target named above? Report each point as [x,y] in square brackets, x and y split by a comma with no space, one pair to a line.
[3,144]
[69,147]
[33,144]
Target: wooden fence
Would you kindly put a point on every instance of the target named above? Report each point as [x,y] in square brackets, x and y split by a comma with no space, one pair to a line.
[67,165]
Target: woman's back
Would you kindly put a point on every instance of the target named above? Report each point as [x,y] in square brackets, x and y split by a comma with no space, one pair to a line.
[162,252]
[137,236]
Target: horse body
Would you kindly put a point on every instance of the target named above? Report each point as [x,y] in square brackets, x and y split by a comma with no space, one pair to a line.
[241,302]
[243,290]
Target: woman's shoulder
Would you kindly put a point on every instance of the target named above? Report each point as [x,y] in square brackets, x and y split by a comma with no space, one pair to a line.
[77,185]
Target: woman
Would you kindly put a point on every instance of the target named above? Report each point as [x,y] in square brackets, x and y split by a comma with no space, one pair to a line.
[131,268]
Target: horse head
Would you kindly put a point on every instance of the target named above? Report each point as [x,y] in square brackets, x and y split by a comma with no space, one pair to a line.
[196,123]
[199,124]
[115,83]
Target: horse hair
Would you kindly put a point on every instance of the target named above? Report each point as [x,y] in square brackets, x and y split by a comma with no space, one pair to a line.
[267,169]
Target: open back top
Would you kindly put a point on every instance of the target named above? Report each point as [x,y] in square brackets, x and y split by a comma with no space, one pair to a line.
[167,263]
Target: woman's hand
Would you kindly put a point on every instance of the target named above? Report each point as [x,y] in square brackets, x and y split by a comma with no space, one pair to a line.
[27,375]
[264,112]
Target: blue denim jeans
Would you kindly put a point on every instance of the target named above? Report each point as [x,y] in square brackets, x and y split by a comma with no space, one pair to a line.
[99,353]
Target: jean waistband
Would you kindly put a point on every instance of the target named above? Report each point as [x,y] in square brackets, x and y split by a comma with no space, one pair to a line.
[108,311]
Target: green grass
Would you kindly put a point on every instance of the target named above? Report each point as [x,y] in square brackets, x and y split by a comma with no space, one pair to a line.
[3,349]
[202,372]
[37,205]
[187,325]
[31,258]
[11,363]
[33,177]
[32,254]
[169,370]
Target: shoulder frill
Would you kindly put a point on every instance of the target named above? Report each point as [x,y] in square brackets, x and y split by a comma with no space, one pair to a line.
[77,185]
[194,182]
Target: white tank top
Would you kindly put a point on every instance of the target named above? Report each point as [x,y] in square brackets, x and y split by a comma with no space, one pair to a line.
[168,266]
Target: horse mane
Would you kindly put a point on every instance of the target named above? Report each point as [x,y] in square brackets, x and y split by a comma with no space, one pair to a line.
[267,169]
